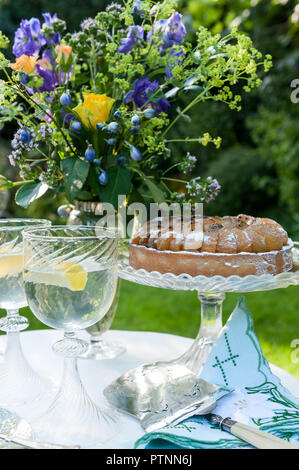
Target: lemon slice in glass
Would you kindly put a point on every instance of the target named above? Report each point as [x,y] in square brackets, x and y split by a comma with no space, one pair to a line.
[70,275]
[74,274]
[11,264]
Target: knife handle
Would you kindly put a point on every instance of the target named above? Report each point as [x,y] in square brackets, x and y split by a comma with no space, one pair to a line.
[259,439]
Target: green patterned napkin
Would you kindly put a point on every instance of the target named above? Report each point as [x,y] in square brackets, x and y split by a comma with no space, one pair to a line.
[259,399]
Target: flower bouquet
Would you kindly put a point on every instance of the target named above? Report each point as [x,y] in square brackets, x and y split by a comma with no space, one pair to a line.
[95,108]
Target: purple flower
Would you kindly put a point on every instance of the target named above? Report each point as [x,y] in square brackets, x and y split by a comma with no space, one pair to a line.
[143,87]
[50,78]
[175,30]
[179,56]
[137,8]
[129,42]
[49,20]
[66,118]
[28,38]
[172,31]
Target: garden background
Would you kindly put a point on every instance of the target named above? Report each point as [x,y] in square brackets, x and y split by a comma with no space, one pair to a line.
[257,164]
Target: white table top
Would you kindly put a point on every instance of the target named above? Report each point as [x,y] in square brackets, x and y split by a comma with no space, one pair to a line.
[142,347]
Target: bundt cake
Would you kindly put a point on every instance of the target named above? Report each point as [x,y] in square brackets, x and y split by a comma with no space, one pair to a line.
[233,245]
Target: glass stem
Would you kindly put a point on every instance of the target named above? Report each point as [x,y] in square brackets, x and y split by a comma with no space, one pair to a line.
[210,327]
[96,339]
[211,314]
[13,322]
[13,353]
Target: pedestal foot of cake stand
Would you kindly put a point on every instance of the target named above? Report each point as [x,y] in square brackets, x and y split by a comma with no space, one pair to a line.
[211,323]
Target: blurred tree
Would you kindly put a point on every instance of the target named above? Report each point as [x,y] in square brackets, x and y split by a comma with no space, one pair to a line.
[266,128]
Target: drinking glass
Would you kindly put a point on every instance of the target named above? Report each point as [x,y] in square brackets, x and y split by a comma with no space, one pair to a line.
[99,348]
[70,277]
[19,383]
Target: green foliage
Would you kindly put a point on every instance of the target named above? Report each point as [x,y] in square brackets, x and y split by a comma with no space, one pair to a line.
[29,192]
[75,171]
[121,178]
[246,167]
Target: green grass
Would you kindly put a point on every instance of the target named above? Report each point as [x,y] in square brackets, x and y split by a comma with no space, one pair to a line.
[275,315]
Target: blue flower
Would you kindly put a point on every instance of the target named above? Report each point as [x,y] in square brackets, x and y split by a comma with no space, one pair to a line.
[28,38]
[103,178]
[113,128]
[66,99]
[135,154]
[134,129]
[179,56]
[25,136]
[175,30]
[172,31]
[149,113]
[121,160]
[99,126]
[111,142]
[117,114]
[49,20]
[143,87]
[90,153]
[135,121]
[66,117]
[76,126]
[137,8]
[129,42]
[24,78]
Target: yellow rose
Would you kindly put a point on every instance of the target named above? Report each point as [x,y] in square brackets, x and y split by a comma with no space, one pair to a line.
[25,63]
[96,108]
[63,51]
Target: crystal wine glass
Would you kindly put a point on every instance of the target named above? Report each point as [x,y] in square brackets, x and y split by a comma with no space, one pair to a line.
[98,347]
[19,383]
[70,277]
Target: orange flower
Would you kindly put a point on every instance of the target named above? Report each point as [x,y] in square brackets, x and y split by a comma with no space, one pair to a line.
[96,108]
[25,63]
[64,51]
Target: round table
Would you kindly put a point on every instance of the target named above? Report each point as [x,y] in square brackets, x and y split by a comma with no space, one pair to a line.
[142,347]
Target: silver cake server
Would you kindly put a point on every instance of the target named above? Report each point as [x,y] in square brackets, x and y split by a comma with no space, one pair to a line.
[255,437]
[163,395]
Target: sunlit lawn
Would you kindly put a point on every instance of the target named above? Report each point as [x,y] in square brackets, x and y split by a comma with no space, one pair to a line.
[275,313]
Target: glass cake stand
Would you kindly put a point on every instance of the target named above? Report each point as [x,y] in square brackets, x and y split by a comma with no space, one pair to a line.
[211,293]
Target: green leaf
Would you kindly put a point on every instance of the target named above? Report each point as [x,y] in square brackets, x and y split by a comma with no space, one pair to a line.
[119,182]
[171,93]
[191,80]
[75,171]
[156,192]
[93,180]
[84,196]
[5,183]
[186,117]
[29,192]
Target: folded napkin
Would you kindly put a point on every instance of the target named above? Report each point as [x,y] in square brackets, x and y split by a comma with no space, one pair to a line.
[259,399]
